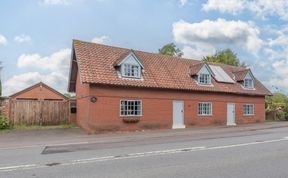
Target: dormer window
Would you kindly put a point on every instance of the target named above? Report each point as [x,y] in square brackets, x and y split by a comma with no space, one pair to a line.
[129,66]
[248,83]
[131,71]
[204,79]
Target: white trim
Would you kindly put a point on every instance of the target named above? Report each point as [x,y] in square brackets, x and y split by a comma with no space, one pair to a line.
[208,79]
[183,115]
[253,109]
[123,72]
[249,76]
[234,115]
[134,56]
[211,107]
[141,105]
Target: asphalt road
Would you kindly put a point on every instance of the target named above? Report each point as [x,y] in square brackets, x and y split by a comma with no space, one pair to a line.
[251,151]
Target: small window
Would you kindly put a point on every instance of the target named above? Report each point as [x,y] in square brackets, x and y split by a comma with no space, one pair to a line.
[205,109]
[204,79]
[73,110]
[130,108]
[248,83]
[248,109]
[131,70]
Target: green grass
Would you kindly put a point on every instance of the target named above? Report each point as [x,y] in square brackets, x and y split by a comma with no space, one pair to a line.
[29,127]
[61,126]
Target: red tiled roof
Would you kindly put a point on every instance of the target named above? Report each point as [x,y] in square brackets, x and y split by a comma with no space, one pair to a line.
[96,66]
[195,68]
[241,74]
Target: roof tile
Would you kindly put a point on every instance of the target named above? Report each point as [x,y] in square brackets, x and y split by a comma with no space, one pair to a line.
[96,64]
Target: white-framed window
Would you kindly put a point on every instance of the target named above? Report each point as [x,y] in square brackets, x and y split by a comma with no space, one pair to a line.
[130,108]
[204,79]
[131,71]
[205,109]
[248,83]
[248,109]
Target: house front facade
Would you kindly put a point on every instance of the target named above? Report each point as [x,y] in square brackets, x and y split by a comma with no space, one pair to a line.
[123,89]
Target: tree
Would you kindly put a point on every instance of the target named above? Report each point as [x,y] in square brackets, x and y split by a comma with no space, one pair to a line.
[68,95]
[226,56]
[170,49]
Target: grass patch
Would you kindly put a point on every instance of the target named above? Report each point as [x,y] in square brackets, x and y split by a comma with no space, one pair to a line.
[61,126]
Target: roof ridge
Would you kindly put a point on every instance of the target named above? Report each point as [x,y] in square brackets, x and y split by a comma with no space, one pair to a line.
[154,53]
[137,50]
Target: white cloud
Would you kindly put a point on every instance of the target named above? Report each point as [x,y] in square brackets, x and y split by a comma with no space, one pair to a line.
[280,69]
[54,71]
[54,2]
[3,40]
[220,33]
[100,39]
[229,6]
[58,61]
[262,8]
[183,2]
[198,52]
[21,81]
[22,39]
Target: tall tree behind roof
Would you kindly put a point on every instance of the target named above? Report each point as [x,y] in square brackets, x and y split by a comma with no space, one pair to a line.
[226,56]
[170,49]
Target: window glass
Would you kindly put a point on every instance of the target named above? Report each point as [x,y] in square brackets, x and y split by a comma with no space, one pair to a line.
[248,109]
[204,108]
[204,79]
[131,108]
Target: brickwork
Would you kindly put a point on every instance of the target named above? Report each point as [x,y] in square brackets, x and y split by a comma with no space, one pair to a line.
[157,108]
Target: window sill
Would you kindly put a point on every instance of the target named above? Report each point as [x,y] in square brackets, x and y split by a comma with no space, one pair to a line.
[123,116]
[247,115]
[200,115]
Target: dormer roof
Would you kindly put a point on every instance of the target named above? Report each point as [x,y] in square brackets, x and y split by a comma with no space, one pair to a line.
[241,74]
[126,56]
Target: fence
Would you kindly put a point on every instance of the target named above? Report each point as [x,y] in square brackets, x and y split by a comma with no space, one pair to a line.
[39,112]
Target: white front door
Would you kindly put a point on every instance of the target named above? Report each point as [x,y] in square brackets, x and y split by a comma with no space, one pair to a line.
[178,115]
[231,114]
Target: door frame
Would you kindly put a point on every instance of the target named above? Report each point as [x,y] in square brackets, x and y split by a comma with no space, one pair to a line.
[234,117]
[175,126]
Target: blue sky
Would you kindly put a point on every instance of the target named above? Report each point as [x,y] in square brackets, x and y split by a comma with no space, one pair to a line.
[36,35]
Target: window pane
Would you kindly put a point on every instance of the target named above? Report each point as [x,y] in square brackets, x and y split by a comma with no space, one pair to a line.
[130,108]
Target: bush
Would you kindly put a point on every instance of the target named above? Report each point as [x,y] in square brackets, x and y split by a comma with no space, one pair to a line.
[4,123]
[281,115]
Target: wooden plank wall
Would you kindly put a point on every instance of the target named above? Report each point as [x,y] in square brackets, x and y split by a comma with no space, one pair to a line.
[39,112]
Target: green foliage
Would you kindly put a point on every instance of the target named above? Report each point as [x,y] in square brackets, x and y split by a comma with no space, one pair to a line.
[281,115]
[170,49]
[275,101]
[68,95]
[226,56]
[4,123]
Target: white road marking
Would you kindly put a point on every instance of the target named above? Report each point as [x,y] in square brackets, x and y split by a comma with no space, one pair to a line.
[136,155]
[44,145]
[17,167]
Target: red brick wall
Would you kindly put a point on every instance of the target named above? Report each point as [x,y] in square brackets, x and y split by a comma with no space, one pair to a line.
[157,108]
[83,104]
[40,93]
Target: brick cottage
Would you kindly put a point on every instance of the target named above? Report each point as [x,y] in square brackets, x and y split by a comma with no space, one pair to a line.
[124,89]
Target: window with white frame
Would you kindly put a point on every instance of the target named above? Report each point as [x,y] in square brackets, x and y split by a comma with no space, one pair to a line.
[131,71]
[248,109]
[204,79]
[248,83]
[130,107]
[205,109]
